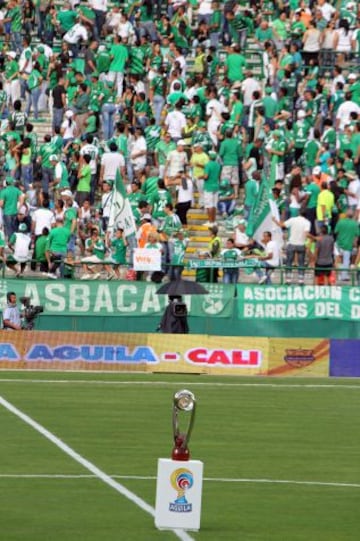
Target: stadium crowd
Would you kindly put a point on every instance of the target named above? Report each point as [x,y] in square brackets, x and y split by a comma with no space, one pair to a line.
[197,104]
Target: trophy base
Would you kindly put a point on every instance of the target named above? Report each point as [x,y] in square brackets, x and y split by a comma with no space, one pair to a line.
[178,494]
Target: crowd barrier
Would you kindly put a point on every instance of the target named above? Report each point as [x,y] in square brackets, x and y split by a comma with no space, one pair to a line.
[188,354]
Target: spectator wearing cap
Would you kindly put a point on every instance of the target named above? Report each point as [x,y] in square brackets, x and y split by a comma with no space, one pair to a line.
[10,198]
[111,161]
[211,176]
[19,244]
[61,174]
[242,240]
[23,216]
[146,227]
[68,127]
[198,161]
[325,205]
[319,176]
[311,193]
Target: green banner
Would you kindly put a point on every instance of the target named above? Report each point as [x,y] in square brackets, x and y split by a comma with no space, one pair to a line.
[221,264]
[298,302]
[67,297]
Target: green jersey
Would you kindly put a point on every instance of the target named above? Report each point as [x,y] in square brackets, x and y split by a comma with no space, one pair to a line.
[10,197]
[152,137]
[212,169]
[16,19]
[58,240]
[301,133]
[19,119]
[137,61]
[119,55]
[84,179]
[178,252]
[66,18]
[118,251]
[45,151]
[158,202]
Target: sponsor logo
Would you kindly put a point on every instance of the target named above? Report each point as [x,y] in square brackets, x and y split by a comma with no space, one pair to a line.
[92,353]
[225,357]
[181,480]
[298,358]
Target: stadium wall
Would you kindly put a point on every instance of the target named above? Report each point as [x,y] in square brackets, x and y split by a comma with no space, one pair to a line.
[242,310]
[190,354]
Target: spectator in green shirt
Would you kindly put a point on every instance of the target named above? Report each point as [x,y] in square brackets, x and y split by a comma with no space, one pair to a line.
[84,181]
[57,247]
[346,232]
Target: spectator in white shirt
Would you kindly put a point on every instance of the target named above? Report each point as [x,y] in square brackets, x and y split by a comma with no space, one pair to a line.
[175,122]
[269,260]
[110,162]
[248,87]
[344,111]
[138,150]
[176,161]
[299,229]
[73,37]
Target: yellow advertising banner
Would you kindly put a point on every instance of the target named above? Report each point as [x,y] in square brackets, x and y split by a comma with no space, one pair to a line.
[204,354]
[200,354]
[298,357]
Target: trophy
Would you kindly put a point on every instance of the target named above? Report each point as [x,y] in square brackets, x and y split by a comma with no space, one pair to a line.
[184,401]
[179,478]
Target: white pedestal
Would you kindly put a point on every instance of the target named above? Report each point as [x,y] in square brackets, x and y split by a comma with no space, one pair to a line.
[178,494]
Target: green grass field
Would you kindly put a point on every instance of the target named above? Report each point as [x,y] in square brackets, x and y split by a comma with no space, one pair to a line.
[250,433]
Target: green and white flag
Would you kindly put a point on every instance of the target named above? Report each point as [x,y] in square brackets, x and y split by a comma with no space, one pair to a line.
[261,215]
[120,212]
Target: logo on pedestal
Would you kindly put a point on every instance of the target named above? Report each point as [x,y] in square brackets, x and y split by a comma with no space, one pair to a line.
[181,480]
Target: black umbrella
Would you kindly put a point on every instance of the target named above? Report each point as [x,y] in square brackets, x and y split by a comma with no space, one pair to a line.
[177,288]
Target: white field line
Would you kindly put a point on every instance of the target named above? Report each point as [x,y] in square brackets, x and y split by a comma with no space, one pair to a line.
[99,474]
[152,478]
[194,384]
